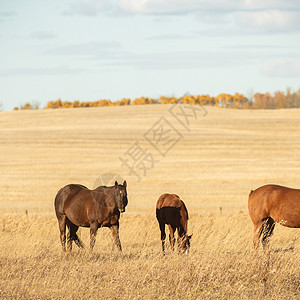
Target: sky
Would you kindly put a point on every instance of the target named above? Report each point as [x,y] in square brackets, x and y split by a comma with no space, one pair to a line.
[89,50]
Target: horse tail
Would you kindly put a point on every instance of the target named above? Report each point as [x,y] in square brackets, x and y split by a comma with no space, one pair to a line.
[187,214]
[78,241]
[60,198]
[58,202]
[157,214]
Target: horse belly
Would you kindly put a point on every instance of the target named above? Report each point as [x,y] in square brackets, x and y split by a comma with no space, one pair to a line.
[76,213]
[287,215]
[169,216]
[288,220]
[110,221]
[78,220]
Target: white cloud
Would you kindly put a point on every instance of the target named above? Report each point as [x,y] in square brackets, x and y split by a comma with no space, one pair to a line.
[174,6]
[245,15]
[179,60]
[269,4]
[173,36]
[192,6]
[90,8]
[93,48]
[42,35]
[269,20]
[281,68]
[61,70]
[7,14]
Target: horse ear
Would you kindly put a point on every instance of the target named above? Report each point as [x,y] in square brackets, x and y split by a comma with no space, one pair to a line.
[125,184]
[190,236]
[116,183]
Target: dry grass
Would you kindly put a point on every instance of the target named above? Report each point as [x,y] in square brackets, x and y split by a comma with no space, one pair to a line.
[223,156]
[221,263]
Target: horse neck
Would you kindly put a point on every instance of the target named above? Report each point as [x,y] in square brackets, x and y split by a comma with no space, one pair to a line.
[108,193]
[182,230]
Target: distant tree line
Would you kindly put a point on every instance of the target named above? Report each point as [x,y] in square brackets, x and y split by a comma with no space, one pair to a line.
[28,106]
[279,99]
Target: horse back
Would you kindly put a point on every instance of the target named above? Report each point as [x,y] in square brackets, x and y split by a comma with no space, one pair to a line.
[271,195]
[63,194]
[72,197]
[83,206]
[279,202]
[170,209]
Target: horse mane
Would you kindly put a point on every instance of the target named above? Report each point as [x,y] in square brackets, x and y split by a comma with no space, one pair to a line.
[80,185]
[187,214]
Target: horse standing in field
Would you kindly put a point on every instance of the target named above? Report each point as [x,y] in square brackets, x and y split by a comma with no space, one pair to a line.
[171,210]
[76,205]
[272,204]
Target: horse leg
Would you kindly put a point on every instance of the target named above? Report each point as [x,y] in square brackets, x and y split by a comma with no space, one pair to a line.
[257,234]
[74,237]
[268,228]
[62,229]
[162,235]
[181,235]
[69,236]
[171,236]
[78,241]
[93,233]
[115,235]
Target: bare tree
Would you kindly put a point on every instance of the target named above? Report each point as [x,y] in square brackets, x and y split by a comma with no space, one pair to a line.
[36,105]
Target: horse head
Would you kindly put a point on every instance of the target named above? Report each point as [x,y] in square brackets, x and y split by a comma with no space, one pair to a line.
[121,196]
[184,243]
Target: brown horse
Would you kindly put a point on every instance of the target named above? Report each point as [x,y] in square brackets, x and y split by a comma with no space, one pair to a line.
[272,204]
[76,205]
[172,211]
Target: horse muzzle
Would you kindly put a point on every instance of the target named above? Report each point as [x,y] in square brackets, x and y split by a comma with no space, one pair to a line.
[121,209]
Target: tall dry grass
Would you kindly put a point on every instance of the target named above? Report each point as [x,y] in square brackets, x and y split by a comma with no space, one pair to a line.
[221,263]
[217,162]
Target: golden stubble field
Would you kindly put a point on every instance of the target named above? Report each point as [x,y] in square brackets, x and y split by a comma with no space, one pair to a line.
[211,160]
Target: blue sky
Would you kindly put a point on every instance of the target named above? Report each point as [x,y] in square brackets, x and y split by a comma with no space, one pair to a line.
[111,49]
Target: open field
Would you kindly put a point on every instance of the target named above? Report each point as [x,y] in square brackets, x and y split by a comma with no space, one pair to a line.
[218,158]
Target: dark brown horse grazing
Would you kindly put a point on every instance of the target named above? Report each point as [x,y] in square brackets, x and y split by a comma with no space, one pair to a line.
[272,204]
[76,205]
[172,211]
